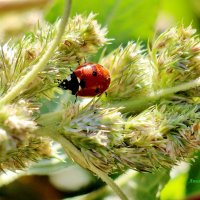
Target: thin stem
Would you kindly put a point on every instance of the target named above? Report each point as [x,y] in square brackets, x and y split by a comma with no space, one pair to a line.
[77,156]
[178,88]
[109,181]
[105,190]
[29,77]
[144,102]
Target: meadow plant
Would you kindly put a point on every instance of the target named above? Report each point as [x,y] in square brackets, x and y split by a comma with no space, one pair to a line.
[147,120]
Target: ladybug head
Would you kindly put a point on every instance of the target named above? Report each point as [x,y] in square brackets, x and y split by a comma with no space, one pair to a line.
[70,84]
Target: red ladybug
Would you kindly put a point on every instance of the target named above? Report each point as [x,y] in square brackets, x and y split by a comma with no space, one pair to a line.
[88,80]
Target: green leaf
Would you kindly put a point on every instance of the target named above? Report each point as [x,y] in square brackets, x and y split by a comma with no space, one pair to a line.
[126,19]
[175,188]
[193,181]
[129,19]
[137,186]
[179,11]
[147,185]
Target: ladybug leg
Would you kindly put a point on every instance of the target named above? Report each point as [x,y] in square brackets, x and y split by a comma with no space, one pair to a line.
[84,59]
[75,98]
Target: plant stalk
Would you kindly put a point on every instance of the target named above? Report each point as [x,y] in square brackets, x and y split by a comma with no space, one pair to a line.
[146,101]
[30,76]
[77,156]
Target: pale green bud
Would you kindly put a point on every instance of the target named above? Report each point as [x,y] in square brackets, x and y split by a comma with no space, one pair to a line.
[175,58]
[131,73]
[18,144]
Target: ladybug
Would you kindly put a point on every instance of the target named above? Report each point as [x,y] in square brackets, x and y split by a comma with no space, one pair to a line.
[88,80]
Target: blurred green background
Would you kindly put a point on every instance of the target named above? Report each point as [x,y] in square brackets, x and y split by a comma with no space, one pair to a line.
[126,20]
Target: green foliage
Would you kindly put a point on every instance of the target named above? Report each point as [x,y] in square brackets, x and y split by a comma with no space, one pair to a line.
[175,188]
[147,186]
[136,18]
[180,11]
[54,11]
[101,136]
[193,179]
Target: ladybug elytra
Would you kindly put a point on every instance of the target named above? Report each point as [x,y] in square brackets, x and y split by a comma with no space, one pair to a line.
[88,80]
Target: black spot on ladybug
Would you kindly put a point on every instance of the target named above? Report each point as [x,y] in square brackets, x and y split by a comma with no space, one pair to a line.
[96,91]
[82,83]
[94,73]
[72,84]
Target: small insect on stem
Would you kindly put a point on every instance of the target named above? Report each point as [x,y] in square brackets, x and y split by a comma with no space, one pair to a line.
[88,80]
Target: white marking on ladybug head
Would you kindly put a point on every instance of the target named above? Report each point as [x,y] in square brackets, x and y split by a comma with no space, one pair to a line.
[78,79]
[68,78]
